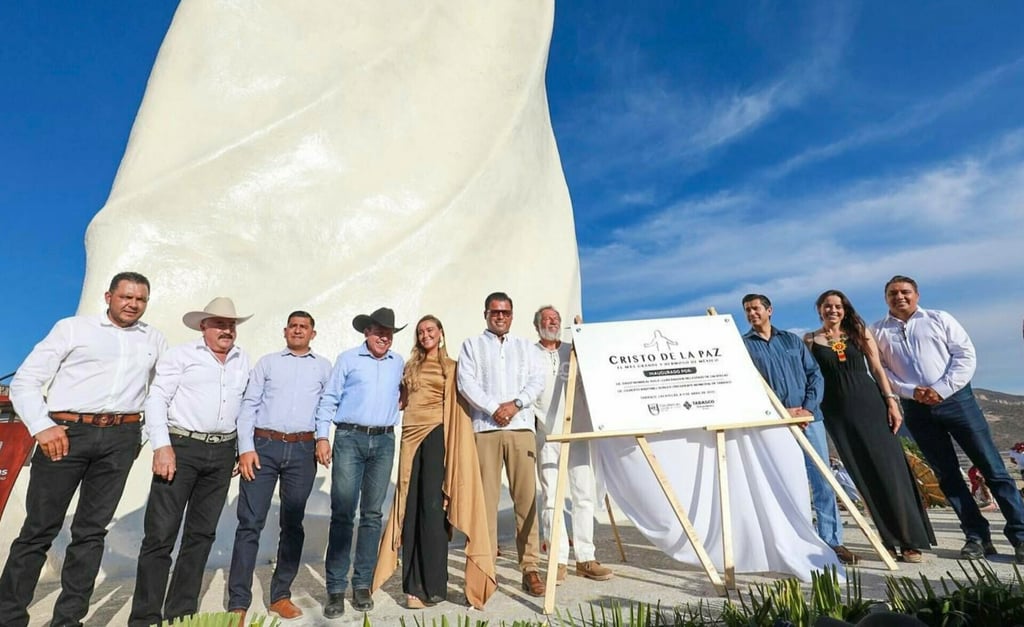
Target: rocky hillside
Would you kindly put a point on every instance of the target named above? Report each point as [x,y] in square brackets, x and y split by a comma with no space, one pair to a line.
[1005,413]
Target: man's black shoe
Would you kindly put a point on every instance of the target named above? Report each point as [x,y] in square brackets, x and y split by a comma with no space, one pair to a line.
[335,605]
[974,550]
[361,600]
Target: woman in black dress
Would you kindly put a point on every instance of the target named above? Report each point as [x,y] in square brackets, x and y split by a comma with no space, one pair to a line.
[862,416]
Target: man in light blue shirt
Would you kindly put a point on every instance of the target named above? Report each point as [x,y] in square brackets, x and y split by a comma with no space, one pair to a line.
[361,400]
[276,441]
[785,363]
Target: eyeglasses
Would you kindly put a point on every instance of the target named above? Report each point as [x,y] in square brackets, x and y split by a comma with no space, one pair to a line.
[499,313]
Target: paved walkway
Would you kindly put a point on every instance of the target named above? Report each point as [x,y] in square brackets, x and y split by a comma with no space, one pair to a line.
[647,575]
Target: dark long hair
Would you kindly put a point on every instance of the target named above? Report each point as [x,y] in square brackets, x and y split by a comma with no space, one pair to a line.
[852,325]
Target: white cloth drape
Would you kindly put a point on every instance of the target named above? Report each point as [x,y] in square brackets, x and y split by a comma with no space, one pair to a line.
[768,492]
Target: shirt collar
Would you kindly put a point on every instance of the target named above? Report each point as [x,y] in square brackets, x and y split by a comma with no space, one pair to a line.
[364,351]
[287,352]
[200,344]
[754,334]
[891,319]
[105,321]
[494,336]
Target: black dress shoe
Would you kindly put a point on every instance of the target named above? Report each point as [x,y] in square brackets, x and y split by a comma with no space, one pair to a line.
[361,600]
[974,550]
[335,605]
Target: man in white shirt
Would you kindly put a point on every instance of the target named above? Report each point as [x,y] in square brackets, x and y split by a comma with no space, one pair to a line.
[88,429]
[929,360]
[191,415]
[501,377]
[550,416]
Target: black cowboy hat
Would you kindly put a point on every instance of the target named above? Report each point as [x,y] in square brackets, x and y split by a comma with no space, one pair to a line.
[384,317]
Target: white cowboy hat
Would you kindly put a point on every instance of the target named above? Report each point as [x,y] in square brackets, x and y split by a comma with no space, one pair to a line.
[220,307]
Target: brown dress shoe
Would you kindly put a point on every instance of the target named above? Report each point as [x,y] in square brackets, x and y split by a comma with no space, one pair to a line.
[533,584]
[285,608]
[241,617]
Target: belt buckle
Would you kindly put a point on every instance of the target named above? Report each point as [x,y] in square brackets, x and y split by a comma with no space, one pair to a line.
[103,420]
[214,438]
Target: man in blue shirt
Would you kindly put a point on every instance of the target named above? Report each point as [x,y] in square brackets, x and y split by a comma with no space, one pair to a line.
[276,440]
[794,376]
[361,400]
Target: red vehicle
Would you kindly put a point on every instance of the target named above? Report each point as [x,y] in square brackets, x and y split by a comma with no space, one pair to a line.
[15,445]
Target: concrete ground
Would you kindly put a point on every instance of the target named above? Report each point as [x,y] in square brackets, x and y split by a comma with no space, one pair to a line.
[647,575]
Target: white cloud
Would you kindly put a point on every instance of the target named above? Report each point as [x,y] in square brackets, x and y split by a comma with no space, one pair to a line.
[918,116]
[956,226]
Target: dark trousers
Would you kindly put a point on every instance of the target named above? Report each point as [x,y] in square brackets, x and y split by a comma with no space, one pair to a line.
[98,460]
[294,464]
[959,417]
[424,528]
[200,483]
[360,475]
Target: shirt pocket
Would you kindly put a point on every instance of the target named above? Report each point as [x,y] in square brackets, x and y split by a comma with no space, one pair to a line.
[236,381]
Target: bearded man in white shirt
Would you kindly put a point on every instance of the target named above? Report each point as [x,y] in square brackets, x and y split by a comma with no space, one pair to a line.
[929,359]
[191,416]
[501,377]
[88,429]
[550,416]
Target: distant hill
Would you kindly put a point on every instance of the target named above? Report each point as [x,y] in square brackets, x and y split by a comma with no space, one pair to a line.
[1005,413]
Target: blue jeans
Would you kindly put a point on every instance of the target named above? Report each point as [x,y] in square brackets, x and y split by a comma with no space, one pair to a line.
[823,498]
[959,418]
[294,464]
[360,475]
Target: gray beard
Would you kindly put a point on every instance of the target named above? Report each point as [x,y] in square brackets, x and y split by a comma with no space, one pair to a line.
[549,336]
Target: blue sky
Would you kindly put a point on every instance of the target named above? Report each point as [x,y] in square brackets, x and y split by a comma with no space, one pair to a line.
[711,149]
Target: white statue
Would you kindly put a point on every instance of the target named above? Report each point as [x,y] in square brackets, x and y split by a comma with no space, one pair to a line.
[335,156]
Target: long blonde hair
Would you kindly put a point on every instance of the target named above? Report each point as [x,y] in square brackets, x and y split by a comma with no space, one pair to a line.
[413,368]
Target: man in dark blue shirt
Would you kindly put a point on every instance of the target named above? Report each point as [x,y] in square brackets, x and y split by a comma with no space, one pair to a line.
[794,376]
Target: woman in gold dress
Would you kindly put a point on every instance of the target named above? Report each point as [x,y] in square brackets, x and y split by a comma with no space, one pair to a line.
[439,486]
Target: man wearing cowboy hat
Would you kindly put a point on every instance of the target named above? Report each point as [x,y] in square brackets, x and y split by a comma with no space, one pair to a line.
[361,400]
[191,412]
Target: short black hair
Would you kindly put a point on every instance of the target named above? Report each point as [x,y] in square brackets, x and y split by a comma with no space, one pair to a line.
[761,297]
[298,313]
[899,278]
[493,296]
[131,277]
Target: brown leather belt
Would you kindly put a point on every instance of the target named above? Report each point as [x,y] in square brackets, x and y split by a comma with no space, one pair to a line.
[96,420]
[280,436]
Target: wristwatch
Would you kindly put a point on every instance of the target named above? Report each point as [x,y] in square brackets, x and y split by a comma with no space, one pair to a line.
[518,403]
[891,395]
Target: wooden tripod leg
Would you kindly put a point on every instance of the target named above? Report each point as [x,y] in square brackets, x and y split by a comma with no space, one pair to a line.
[723,495]
[826,472]
[615,528]
[684,520]
[551,581]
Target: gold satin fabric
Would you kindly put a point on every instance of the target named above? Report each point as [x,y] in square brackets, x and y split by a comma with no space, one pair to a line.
[437,402]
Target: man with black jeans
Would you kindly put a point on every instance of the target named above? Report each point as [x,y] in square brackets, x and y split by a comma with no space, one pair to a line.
[361,401]
[276,440]
[88,429]
[191,413]
[929,360]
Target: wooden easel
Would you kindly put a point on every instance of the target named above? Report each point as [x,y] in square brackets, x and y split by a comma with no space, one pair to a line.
[720,585]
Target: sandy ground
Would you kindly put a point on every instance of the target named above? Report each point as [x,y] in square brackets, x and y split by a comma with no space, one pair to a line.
[647,575]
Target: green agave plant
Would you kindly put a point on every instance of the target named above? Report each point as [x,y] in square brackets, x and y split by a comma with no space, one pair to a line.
[219,619]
